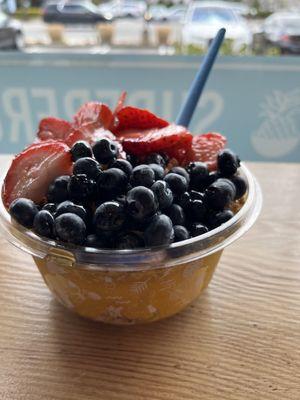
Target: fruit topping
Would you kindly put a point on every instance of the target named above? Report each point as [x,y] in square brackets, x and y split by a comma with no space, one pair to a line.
[54,128]
[136,118]
[77,185]
[32,171]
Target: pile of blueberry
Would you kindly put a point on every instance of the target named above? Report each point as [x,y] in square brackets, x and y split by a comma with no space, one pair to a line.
[126,204]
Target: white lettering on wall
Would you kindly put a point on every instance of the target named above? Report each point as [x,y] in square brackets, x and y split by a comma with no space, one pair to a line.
[47,95]
[16,107]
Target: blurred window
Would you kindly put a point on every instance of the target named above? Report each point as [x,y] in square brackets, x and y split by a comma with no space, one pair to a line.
[75,8]
[213,14]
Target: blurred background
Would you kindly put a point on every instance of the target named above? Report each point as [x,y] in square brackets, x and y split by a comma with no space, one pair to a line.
[265,27]
[56,55]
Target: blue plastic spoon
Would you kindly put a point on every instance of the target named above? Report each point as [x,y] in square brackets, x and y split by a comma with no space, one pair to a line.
[187,110]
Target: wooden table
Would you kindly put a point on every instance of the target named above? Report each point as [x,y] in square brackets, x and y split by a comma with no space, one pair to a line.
[240,341]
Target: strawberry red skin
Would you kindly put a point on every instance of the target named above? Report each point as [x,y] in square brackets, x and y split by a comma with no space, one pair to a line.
[32,171]
[206,147]
[155,140]
[93,114]
[54,128]
[136,118]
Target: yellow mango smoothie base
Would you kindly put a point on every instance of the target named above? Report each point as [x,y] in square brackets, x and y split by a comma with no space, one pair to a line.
[128,297]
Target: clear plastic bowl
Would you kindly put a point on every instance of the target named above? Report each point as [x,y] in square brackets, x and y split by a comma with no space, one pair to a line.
[133,286]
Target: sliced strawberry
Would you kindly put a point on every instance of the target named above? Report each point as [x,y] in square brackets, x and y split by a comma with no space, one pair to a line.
[94,114]
[121,102]
[180,154]
[54,128]
[136,118]
[205,148]
[155,140]
[34,169]
[91,135]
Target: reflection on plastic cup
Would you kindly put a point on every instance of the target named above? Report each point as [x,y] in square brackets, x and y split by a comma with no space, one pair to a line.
[133,286]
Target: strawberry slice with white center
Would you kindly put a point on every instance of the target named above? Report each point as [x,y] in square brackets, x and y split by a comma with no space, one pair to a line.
[94,114]
[206,147]
[32,171]
[155,140]
[54,128]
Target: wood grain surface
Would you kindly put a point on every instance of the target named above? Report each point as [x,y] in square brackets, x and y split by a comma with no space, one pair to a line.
[240,340]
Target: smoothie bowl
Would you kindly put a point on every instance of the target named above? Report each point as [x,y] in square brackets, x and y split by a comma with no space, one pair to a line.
[133,246]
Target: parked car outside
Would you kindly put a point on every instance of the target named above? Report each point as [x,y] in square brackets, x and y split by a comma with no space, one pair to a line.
[73,13]
[11,36]
[123,8]
[282,30]
[204,19]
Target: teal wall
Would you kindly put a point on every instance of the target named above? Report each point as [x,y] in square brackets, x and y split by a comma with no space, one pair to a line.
[254,101]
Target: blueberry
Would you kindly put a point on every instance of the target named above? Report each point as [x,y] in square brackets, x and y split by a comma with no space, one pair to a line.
[87,166]
[212,177]
[124,165]
[219,218]
[228,162]
[196,195]
[180,233]
[178,184]
[109,217]
[240,186]
[198,229]
[112,183]
[198,175]
[132,159]
[181,171]
[105,151]
[121,199]
[23,211]
[70,228]
[163,194]
[129,240]
[43,224]
[183,200]
[176,214]
[81,149]
[159,172]
[141,203]
[69,207]
[96,241]
[81,188]
[156,158]
[142,175]
[219,194]
[58,189]
[196,210]
[51,207]
[159,232]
